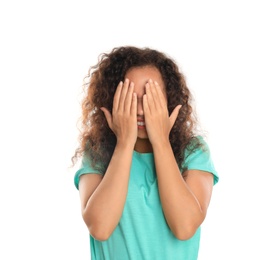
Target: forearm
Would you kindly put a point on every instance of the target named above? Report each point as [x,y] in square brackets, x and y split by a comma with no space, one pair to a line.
[181,208]
[104,207]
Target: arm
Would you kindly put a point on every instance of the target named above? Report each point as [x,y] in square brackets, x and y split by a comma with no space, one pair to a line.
[103,199]
[184,199]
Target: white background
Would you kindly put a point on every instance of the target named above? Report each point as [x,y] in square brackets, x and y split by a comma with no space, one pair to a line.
[229,53]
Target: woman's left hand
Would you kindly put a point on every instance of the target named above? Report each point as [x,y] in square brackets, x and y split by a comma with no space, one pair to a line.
[157,120]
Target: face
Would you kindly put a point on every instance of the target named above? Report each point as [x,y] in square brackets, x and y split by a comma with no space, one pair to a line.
[140,76]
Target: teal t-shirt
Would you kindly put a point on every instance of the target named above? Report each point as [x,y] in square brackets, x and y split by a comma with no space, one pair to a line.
[142,233]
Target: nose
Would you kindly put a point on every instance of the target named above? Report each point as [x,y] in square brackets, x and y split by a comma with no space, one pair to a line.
[140,107]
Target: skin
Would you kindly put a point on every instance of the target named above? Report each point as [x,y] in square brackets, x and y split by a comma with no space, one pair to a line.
[142,98]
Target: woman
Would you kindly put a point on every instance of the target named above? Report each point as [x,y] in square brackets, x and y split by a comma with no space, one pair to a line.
[146,177]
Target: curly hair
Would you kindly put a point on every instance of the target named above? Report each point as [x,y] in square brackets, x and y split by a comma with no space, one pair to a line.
[96,138]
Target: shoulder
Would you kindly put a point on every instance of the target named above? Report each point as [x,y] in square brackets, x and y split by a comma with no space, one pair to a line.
[85,168]
[198,157]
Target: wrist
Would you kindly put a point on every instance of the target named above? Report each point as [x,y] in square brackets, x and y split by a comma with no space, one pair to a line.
[124,144]
[161,145]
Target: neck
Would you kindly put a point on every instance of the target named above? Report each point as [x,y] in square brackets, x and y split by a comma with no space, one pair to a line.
[143,146]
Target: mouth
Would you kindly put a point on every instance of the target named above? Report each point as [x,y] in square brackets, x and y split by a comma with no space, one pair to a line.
[141,124]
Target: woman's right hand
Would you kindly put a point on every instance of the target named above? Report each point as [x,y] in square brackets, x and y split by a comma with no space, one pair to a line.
[123,120]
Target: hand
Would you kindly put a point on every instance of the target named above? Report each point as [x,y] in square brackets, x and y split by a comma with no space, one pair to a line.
[123,120]
[157,120]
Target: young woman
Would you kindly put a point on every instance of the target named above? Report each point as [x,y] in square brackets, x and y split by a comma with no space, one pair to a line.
[146,177]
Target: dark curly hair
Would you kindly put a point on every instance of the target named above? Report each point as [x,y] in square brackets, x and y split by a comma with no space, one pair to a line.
[96,138]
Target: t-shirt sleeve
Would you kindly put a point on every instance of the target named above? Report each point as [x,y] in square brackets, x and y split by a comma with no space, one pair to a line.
[201,159]
[85,168]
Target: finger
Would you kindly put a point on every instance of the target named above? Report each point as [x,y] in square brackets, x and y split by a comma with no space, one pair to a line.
[161,97]
[129,97]
[107,116]
[134,105]
[149,97]
[174,115]
[153,91]
[123,95]
[117,96]
[146,108]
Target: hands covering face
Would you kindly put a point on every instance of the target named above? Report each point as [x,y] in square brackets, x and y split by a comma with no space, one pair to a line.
[157,120]
[123,120]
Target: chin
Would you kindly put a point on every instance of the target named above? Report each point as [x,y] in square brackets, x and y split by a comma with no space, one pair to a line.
[142,136]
